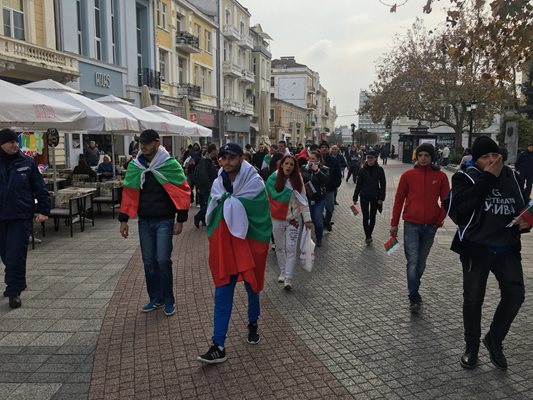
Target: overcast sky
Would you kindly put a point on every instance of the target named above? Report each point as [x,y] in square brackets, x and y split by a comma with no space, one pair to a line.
[340,39]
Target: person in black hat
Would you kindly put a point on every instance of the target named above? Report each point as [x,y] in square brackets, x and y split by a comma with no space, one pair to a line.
[20,184]
[419,195]
[156,190]
[370,187]
[484,203]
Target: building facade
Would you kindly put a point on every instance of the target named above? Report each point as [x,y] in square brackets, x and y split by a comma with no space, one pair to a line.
[261,65]
[287,122]
[29,52]
[299,85]
[365,121]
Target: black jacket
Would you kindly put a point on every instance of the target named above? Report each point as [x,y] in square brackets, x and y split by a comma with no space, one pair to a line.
[205,174]
[154,202]
[315,182]
[257,159]
[482,205]
[20,184]
[371,183]
[335,174]
[524,164]
[341,160]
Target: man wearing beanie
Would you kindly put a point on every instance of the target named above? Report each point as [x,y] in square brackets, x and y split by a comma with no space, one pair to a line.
[484,203]
[20,184]
[422,190]
[524,166]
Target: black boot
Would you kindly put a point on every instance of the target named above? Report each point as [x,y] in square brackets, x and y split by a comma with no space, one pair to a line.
[14,302]
[253,336]
[469,358]
[496,352]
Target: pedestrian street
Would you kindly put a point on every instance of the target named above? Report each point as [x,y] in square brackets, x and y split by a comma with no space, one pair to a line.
[344,331]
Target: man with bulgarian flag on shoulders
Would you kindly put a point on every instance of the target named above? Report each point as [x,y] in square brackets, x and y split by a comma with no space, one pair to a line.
[156,190]
[239,229]
[486,203]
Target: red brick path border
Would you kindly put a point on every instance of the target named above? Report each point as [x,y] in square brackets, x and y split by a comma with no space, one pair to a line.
[151,356]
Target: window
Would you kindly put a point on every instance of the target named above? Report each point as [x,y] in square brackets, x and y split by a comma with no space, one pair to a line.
[207,41]
[197,31]
[158,13]
[242,29]
[114,32]
[227,51]
[164,16]
[139,40]
[180,26]
[14,19]
[97,30]
[254,66]
[79,21]
[209,82]
[204,79]
[197,75]
[272,81]
[163,62]
[182,78]
[228,17]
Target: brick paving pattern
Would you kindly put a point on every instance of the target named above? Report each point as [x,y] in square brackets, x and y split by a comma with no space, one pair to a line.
[345,331]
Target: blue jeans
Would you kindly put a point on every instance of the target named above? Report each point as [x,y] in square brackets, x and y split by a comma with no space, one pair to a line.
[224,305]
[14,236]
[317,216]
[330,206]
[155,236]
[418,239]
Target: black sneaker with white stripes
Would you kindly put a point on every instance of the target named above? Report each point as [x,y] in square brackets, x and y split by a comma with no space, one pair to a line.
[213,356]
[253,336]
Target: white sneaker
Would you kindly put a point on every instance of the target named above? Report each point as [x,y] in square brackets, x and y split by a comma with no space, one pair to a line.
[281,278]
[288,284]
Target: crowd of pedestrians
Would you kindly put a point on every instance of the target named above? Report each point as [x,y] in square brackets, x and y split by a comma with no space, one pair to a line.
[249,200]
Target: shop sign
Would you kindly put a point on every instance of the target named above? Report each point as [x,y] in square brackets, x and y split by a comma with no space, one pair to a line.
[31,143]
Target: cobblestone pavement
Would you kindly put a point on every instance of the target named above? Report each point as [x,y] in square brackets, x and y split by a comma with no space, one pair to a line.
[345,331]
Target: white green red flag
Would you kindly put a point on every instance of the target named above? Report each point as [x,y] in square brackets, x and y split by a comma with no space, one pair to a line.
[526,214]
[392,245]
[167,171]
[239,229]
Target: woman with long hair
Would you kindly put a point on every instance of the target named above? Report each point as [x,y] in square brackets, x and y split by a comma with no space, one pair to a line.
[272,166]
[288,204]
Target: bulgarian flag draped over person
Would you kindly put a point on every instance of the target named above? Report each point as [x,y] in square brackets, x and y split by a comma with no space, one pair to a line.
[279,201]
[239,228]
[167,171]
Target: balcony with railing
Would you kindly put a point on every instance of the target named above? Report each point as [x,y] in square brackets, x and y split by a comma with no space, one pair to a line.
[231,69]
[37,62]
[231,106]
[264,50]
[231,33]
[248,109]
[150,78]
[193,92]
[248,76]
[187,43]
[246,42]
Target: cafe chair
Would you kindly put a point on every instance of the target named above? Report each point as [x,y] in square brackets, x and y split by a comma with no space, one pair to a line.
[78,209]
[114,199]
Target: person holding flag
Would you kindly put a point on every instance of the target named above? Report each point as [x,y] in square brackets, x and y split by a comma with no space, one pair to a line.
[239,229]
[485,203]
[156,190]
[288,204]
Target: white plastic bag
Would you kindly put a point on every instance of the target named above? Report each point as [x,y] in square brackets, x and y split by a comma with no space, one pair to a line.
[307,250]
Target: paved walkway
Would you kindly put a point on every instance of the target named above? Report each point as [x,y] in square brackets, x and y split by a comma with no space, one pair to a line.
[344,332]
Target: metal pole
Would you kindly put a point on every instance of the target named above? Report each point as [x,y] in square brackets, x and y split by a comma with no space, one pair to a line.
[471,128]
[54,172]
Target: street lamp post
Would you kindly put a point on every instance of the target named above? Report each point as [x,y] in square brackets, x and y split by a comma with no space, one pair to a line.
[353,133]
[471,108]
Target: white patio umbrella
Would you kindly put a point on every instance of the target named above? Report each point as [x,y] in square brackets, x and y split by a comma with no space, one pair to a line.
[190,128]
[24,108]
[100,119]
[145,119]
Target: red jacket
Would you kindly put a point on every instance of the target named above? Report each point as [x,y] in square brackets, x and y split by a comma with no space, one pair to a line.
[420,189]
